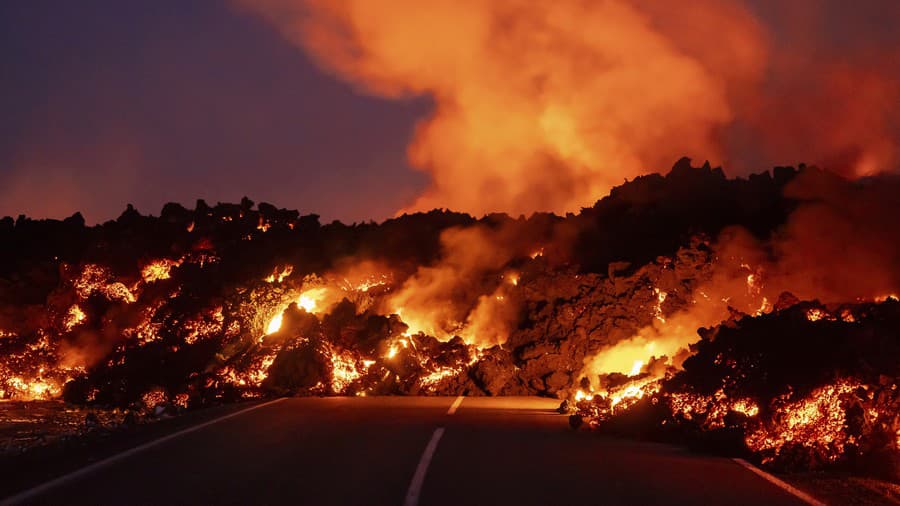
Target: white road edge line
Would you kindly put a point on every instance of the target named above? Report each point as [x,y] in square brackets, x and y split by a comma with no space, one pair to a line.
[455,405]
[415,487]
[803,496]
[44,487]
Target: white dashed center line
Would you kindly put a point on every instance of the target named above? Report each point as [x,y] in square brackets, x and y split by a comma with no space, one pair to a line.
[455,405]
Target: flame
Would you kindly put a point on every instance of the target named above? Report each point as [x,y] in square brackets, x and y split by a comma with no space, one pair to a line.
[309,299]
[745,407]
[636,368]
[98,279]
[30,389]
[252,377]
[439,374]
[627,357]
[415,325]
[818,419]
[367,283]
[660,299]
[275,323]
[158,270]
[764,307]
[817,314]
[847,316]
[608,402]
[713,408]
[395,347]
[344,371]
[279,274]
[74,317]
[154,398]
[622,398]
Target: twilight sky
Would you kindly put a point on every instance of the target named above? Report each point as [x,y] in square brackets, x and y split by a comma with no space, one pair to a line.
[106,102]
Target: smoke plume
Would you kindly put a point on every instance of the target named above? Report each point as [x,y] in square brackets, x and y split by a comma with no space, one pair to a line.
[839,245]
[544,106]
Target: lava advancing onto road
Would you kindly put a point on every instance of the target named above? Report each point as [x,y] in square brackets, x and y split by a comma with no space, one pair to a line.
[759,313]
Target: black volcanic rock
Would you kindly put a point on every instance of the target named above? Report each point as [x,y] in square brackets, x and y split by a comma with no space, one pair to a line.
[593,285]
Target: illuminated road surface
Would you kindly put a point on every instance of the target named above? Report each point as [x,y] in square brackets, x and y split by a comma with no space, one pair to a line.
[370,451]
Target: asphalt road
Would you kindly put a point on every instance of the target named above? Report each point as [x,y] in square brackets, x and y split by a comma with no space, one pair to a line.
[368,450]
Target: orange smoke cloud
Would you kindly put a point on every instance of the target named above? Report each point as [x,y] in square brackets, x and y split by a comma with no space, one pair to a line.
[544,106]
[449,298]
[537,105]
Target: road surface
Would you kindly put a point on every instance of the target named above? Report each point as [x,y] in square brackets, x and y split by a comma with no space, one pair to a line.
[391,450]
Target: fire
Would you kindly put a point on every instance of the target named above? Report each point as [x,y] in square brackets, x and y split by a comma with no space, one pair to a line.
[396,346]
[181,400]
[818,419]
[98,279]
[251,377]
[710,409]
[279,274]
[626,358]
[154,398]
[159,270]
[344,371]
[636,368]
[30,389]
[415,325]
[259,374]
[438,375]
[74,317]
[847,316]
[817,314]
[603,404]
[309,299]
[632,392]
[753,285]
[764,307]
[745,407]
[477,315]
[367,283]
[660,299]
[275,323]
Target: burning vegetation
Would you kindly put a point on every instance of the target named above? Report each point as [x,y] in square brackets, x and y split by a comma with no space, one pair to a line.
[787,274]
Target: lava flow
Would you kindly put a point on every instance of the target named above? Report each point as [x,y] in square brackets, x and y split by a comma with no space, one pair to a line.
[787,275]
